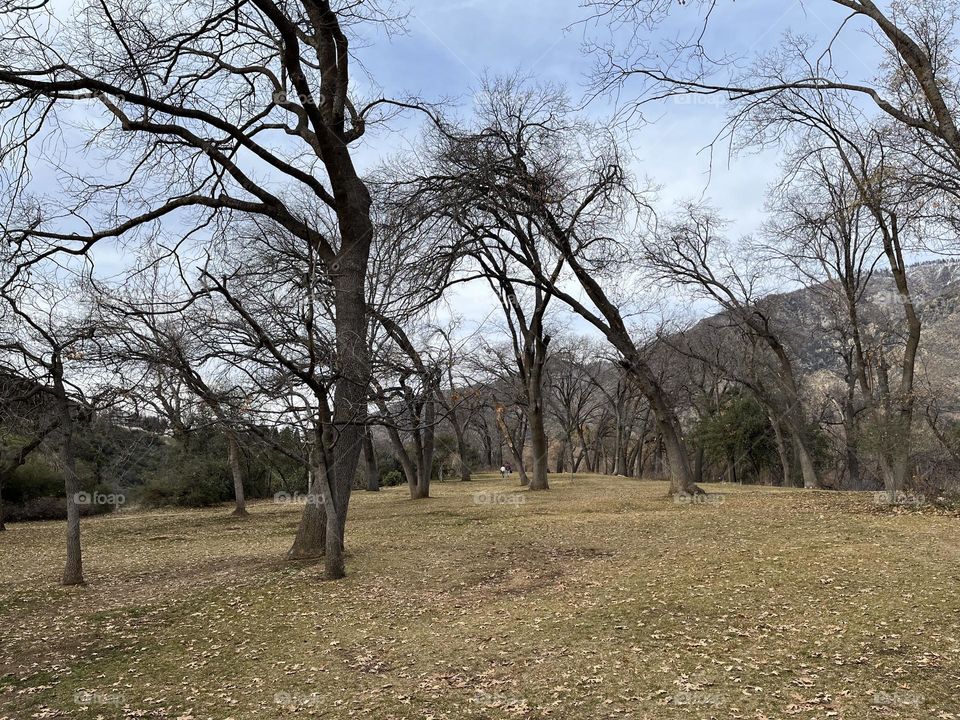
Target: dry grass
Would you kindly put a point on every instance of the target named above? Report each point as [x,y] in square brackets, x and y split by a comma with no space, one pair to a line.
[599,599]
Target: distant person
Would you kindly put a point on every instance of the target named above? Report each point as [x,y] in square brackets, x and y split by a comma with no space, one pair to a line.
[509,469]
[503,472]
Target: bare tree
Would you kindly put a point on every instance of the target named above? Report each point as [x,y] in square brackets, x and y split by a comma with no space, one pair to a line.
[531,163]
[45,328]
[225,111]
[691,252]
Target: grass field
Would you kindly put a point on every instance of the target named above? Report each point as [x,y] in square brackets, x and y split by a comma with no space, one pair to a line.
[599,599]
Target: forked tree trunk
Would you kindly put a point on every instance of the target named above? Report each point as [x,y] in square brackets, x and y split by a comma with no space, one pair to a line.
[233,455]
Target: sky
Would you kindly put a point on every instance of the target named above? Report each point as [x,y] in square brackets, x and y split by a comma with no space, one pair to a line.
[450,46]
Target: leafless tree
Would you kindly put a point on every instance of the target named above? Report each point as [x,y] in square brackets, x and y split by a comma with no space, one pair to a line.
[691,252]
[45,327]
[210,114]
[531,169]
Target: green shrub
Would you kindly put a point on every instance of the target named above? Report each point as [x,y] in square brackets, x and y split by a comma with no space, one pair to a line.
[391,478]
[189,481]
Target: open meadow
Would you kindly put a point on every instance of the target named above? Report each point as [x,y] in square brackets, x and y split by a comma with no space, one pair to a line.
[599,599]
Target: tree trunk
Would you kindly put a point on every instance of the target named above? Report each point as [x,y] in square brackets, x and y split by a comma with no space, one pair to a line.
[807,468]
[539,444]
[850,445]
[782,452]
[370,462]
[698,465]
[353,364]
[310,542]
[2,518]
[562,455]
[462,451]
[311,539]
[233,456]
[73,567]
[425,466]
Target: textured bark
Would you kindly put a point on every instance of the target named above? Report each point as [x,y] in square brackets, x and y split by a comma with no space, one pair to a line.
[353,361]
[73,567]
[311,539]
[538,435]
[462,451]
[782,452]
[371,470]
[233,456]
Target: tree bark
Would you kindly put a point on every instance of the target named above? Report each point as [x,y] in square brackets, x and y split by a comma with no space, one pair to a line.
[233,456]
[538,435]
[370,462]
[782,452]
[311,540]
[73,567]
[807,469]
[462,451]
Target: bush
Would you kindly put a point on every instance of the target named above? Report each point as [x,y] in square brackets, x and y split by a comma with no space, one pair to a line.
[191,482]
[49,508]
[36,479]
[392,478]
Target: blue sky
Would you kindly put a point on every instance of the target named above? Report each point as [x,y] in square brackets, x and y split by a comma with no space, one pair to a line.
[449,46]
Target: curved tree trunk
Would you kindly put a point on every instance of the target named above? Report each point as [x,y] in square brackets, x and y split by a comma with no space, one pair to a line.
[807,469]
[311,540]
[782,452]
